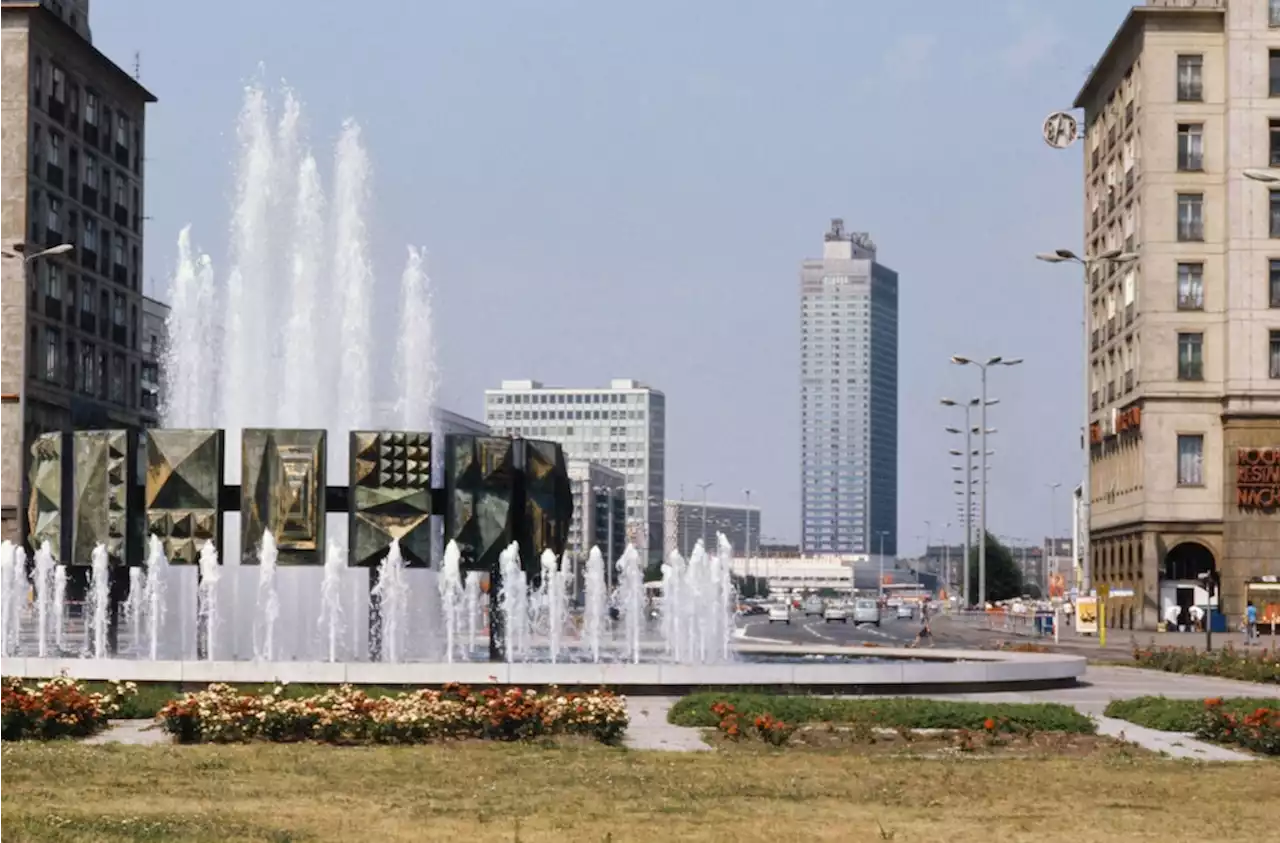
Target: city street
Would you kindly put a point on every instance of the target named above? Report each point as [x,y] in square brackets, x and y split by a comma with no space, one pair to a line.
[810,630]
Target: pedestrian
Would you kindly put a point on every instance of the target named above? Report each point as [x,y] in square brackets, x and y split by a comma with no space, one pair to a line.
[926,632]
[1250,623]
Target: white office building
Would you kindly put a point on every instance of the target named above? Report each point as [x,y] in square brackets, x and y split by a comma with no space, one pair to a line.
[622,426]
[685,522]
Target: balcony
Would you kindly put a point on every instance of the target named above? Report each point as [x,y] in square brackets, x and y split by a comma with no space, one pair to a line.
[1111,327]
[1128,114]
[1095,159]
[1128,381]
[1095,340]
[1128,179]
[1130,313]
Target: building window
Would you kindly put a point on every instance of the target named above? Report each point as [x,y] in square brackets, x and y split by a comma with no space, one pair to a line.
[59,84]
[52,280]
[1275,213]
[91,108]
[117,311]
[1190,286]
[90,172]
[122,131]
[55,149]
[1273,282]
[54,221]
[86,297]
[1273,355]
[90,234]
[1190,146]
[86,369]
[52,346]
[1273,81]
[1191,216]
[1273,12]
[120,194]
[1190,78]
[1274,131]
[117,248]
[1190,459]
[1191,357]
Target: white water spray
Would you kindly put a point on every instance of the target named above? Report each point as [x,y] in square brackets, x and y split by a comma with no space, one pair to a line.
[514,600]
[335,566]
[451,596]
[392,594]
[45,565]
[133,607]
[99,602]
[157,579]
[597,604]
[471,593]
[630,601]
[268,601]
[207,598]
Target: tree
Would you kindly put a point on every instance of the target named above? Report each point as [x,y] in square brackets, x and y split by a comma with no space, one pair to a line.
[1004,577]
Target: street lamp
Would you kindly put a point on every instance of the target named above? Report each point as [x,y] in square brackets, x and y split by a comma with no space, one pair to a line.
[747,520]
[19,423]
[969,454]
[704,487]
[1053,530]
[1108,257]
[880,534]
[982,487]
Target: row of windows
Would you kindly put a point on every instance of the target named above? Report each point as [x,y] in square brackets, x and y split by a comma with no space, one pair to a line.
[568,398]
[81,367]
[579,415]
[84,113]
[1191,356]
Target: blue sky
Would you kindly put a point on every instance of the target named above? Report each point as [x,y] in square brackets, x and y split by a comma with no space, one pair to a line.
[626,190]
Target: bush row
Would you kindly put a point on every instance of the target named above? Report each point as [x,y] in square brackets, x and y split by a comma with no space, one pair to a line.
[888,712]
[1258,731]
[57,708]
[223,714]
[1228,662]
[1169,715]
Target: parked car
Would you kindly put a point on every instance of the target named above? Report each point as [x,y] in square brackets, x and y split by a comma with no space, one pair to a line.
[835,612]
[780,613]
[866,610]
[813,607]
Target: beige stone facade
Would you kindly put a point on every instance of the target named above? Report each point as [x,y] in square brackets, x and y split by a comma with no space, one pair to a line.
[72,173]
[1184,359]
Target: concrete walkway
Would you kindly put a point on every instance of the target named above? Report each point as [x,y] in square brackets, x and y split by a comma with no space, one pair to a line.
[131,732]
[649,728]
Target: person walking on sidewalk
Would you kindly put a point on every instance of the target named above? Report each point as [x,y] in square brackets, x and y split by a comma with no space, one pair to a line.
[1250,623]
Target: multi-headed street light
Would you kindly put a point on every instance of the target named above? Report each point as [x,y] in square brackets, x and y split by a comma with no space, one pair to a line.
[991,362]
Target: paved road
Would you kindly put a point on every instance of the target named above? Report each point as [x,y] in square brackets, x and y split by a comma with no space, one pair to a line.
[814,630]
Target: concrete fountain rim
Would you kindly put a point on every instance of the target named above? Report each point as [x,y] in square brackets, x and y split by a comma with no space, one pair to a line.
[896,670]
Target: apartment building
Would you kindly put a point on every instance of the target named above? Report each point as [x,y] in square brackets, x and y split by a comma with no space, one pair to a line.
[73,164]
[1182,117]
[622,427]
[685,522]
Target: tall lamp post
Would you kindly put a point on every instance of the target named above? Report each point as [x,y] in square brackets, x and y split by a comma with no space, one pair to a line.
[880,534]
[1053,534]
[1109,257]
[960,360]
[704,487]
[747,520]
[19,250]
[968,483]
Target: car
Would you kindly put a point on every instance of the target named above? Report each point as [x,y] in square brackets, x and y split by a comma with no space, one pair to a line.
[866,610]
[906,611]
[813,607]
[780,613]
[835,612]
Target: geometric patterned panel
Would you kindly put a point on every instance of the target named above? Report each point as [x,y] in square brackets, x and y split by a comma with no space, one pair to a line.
[390,496]
[282,489]
[45,517]
[548,495]
[105,469]
[184,481]
[480,482]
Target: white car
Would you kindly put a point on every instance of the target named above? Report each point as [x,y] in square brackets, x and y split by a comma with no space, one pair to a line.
[866,610]
[813,607]
[835,612]
[906,611]
[780,613]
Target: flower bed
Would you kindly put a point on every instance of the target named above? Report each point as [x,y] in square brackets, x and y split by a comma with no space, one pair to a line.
[223,714]
[1257,731]
[887,712]
[57,708]
[1228,662]
[1178,715]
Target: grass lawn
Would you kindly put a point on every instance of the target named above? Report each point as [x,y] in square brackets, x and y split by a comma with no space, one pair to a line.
[485,792]
[1170,715]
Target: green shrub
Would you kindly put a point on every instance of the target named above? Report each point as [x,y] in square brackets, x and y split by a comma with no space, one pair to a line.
[1258,730]
[1169,715]
[1228,662]
[888,712]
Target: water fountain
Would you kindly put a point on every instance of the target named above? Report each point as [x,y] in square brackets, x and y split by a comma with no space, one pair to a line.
[631,601]
[45,565]
[335,566]
[99,603]
[471,598]
[451,595]
[392,595]
[59,609]
[514,599]
[268,601]
[13,595]
[133,606]
[207,598]
[153,594]
[597,603]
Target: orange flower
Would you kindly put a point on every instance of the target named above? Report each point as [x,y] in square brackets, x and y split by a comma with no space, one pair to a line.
[989,724]
[1213,702]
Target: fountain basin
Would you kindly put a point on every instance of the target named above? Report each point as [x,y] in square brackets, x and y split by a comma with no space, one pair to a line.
[879,670]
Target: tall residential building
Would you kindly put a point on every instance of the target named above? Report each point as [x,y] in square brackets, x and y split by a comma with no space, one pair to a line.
[155,339]
[73,160]
[599,496]
[622,426]
[848,398]
[1184,341]
[684,522]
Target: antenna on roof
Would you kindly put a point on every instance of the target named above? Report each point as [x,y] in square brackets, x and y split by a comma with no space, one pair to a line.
[137,64]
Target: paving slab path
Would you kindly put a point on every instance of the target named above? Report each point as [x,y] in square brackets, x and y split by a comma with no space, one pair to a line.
[649,728]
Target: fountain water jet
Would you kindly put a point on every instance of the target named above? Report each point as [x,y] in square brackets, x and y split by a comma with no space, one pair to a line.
[392,594]
[335,566]
[597,603]
[207,597]
[45,565]
[514,602]
[99,602]
[630,600]
[133,606]
[450,596]
[268,601]
[472,601]
[13,593]
[153,595]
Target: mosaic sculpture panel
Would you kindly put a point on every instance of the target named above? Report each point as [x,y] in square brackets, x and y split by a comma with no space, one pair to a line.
[104,471]
[480,479]
[45,516]
[184,478]
[390,496]
[548,506]
[283,490]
